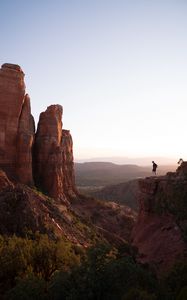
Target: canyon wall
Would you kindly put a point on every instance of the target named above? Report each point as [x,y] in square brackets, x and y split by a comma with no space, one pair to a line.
[160,233]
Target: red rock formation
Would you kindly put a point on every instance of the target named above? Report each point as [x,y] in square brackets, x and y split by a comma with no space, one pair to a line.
[48,171]
[25,137]
[68,164]
[159,231]
[53,157]
[4,181]
[14,132]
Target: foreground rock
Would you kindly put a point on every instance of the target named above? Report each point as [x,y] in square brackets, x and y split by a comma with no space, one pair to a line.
[84,223]
[160,232]
[113,221]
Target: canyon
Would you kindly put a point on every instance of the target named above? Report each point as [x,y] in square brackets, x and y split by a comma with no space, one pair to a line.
[37,179]
[38,190]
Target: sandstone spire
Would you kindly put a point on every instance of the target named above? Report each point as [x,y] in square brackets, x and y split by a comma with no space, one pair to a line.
[47,155]
[53,155]
[15,135]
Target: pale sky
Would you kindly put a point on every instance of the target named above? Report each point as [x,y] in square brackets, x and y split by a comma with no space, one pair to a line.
[118,68]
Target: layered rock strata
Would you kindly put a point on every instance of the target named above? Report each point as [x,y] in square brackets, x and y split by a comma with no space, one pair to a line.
[160,232]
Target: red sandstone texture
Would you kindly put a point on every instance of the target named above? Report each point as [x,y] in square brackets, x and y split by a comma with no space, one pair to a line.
[48,164]
[48,152]
[25,138]
[68,164]
[12,132]
[4,181]
[160,228]
[53,156]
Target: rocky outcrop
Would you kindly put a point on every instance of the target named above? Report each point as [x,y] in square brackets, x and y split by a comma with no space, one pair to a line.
[25,210]
[160,232]
[114,221]
[25,139]
[53,155]
[48,164]
[47,156]
[16,125]
[68,165]
[84,222]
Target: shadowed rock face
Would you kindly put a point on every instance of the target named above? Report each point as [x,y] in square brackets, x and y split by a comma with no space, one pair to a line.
[159,233]
[16,125]
[68,165]
[25,139]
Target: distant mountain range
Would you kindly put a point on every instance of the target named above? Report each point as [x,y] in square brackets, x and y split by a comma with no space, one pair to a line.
[99,174]
[140,161]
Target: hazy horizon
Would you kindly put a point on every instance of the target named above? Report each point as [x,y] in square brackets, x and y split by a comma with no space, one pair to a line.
[140,161]
[118,68]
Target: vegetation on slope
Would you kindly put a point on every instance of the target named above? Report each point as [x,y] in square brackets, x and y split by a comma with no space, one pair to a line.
[36,267]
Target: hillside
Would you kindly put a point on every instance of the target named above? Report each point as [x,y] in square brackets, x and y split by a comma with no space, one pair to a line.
[96,174]
[111,182]
[125,193]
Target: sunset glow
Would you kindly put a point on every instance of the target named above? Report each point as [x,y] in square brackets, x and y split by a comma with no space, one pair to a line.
[118,68]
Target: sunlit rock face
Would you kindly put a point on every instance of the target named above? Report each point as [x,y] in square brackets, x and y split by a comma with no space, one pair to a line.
[46,156]
[16,125]
[53,155]
[159,233]
[48,161]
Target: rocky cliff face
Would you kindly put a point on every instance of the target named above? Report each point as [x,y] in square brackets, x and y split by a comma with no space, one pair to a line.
[53,155]
[68,165]
[16,125]
[45,159]
[46,156]
[160,233]
[25,139]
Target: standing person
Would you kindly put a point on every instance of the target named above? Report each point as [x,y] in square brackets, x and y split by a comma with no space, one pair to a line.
[154,167]
[180,161]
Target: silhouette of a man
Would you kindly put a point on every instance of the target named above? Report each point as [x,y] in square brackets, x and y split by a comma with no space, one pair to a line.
[154,167]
